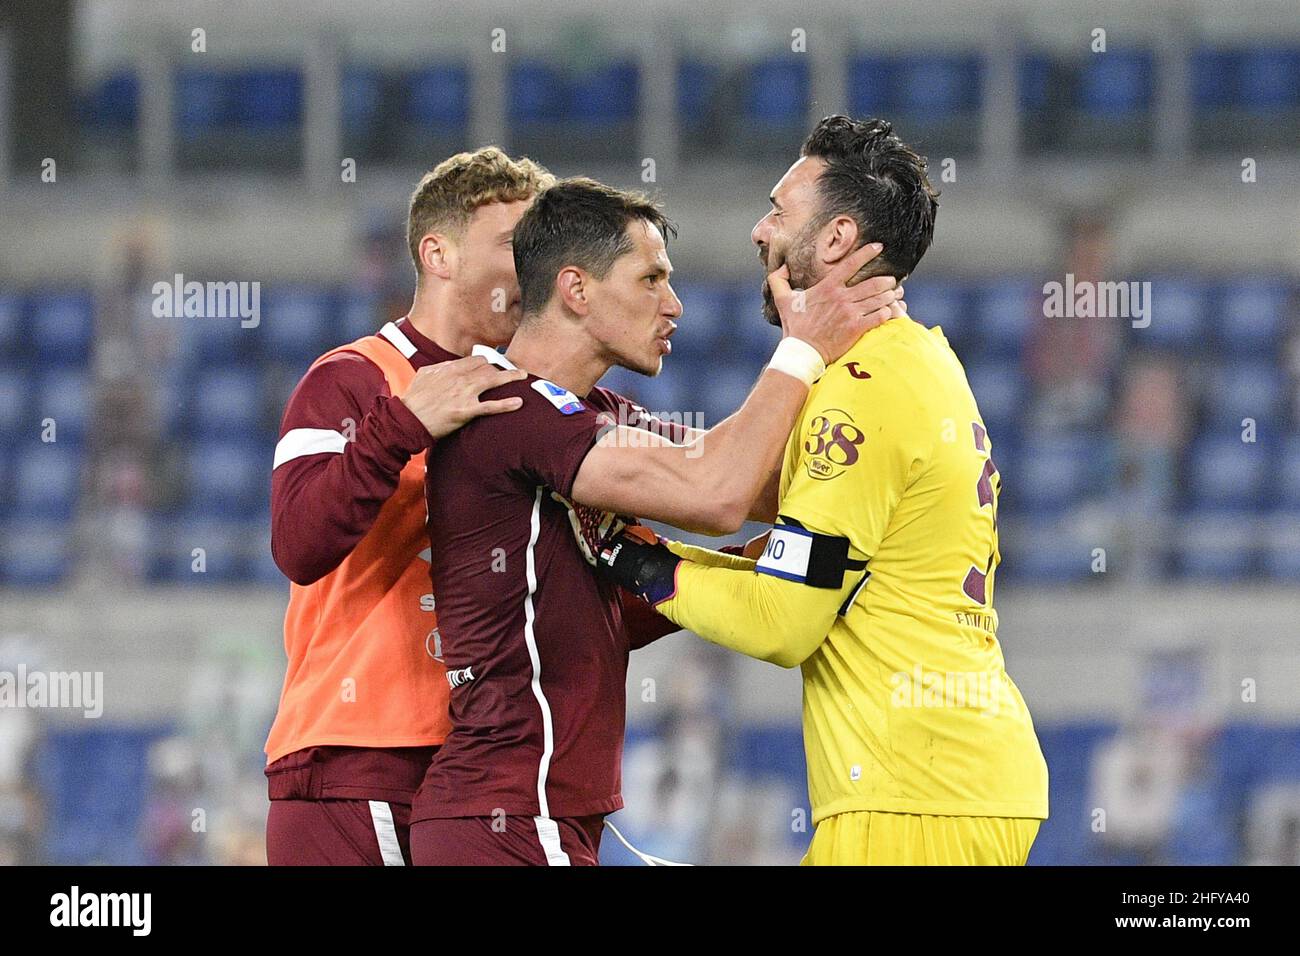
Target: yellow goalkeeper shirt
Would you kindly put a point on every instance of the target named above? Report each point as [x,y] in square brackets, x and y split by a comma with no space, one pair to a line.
[907,705]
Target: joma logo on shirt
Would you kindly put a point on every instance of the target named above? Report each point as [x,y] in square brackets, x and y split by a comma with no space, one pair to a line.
[462,676]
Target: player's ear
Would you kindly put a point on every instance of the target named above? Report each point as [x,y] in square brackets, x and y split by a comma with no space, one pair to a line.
[838,239]
[571,287]
[437,255]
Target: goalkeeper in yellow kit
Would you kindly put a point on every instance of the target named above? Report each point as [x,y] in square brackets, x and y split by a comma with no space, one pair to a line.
[877,576]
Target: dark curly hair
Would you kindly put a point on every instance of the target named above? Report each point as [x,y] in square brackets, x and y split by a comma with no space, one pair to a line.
[880,181]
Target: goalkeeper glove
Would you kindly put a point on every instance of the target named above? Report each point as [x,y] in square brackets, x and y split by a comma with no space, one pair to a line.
[636,559]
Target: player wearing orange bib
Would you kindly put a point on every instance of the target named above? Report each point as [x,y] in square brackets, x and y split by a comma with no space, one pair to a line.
[364,702]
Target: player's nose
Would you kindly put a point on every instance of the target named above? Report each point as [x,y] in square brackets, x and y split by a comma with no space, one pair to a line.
[672,305]
[759,234]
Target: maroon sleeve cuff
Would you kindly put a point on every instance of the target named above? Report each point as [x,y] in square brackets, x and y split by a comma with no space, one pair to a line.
[644,625]
[398,428]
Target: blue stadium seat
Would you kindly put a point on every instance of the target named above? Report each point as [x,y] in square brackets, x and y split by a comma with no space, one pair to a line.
[360,313]
[267,99]
[1251,315]
[606,95]
[1225,472]
[438,95]
[1056,471]
[297,324]
[1066,837]
[212,339]
[223,544]
[1282,545]
[260,566]
[35,553]
[15,402]
[229,477]
[1215,78]
[707,315]
[1034,72]
[697,88]
[1244,389]
[1045,551]
[748,301]
[1286,474]
[361,99]
[61,325]
[111,104]
[538,93]
[64,396]
[718,390]
[1005,312]
[750,338]
[47,479]
[778,92]
[941,302]
[761,752]
[1116,84]
[94,784]
[938,85]
[1178,310]
[11,323]
[869,87]
[203,102]
[1270,80]
[226,401]
[999,388]
[1281,760]
[1217,545]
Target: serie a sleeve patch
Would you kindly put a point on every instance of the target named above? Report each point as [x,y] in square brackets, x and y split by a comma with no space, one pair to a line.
[561,398]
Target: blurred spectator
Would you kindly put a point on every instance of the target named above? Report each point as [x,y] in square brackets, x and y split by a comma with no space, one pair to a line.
[170,831]
[1274,826]
[1069,360]
[1150,429]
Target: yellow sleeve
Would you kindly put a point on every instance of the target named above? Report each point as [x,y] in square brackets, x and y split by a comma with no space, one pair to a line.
[710,558]
[758,615]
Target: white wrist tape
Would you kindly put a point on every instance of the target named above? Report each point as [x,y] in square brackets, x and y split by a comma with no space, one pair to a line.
[797,358]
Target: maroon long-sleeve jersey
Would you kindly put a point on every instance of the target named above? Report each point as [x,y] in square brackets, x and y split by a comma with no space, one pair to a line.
[344,441]
[535,643]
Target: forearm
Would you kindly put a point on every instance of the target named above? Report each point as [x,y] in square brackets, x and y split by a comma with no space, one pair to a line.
[323,504]
[709,485]
[758,615]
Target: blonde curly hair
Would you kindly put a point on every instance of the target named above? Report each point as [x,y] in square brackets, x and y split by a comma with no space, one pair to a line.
[450,192]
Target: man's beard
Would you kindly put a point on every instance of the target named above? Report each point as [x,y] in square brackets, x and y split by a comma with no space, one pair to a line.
[800,265]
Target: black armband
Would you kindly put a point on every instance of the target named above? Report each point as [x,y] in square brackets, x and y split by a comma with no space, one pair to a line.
[806,557]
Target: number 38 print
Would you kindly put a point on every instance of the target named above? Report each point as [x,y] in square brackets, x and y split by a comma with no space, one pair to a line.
[831,444]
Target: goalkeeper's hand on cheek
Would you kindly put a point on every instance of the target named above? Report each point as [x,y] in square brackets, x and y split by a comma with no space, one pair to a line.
[637,559]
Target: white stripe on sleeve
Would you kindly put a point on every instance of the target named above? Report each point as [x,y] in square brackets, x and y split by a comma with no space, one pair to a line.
[298,442]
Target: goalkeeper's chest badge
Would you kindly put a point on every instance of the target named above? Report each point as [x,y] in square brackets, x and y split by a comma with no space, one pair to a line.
[561,398]
[831,440]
